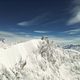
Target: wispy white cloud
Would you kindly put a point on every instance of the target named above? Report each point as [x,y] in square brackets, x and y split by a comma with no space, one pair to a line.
[24,23]
[73,31]
[42,31]
[43,19]
[75,13]
[75,19]
[35,21]
[10,36]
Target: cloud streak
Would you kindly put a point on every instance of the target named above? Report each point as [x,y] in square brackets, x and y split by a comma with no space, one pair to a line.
[42,32]
[75,13]
[35,21]
[73,32]
[42,20]
[10,36]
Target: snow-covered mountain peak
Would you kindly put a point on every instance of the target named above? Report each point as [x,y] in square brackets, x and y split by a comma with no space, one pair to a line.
[39,60]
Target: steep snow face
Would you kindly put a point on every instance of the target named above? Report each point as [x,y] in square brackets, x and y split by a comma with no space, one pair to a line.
[11,55]
[39,60]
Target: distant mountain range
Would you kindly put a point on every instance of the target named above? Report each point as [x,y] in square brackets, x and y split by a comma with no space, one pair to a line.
[72,46]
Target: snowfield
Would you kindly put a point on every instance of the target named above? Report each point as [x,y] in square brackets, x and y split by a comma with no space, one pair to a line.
[39,60]
[11,55]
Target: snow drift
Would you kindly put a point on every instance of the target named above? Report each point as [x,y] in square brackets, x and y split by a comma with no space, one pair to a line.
[39,60]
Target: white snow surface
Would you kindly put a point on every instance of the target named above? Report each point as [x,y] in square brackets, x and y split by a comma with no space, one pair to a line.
[11,55]
[38,60]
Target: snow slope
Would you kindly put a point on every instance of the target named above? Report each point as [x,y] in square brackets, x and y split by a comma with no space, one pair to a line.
[9,56]
[39,60]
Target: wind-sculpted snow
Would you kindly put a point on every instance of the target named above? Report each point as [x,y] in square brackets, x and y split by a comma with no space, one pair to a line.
[39,60]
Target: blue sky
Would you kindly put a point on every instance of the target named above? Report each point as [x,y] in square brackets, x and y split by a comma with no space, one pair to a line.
[33,18]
